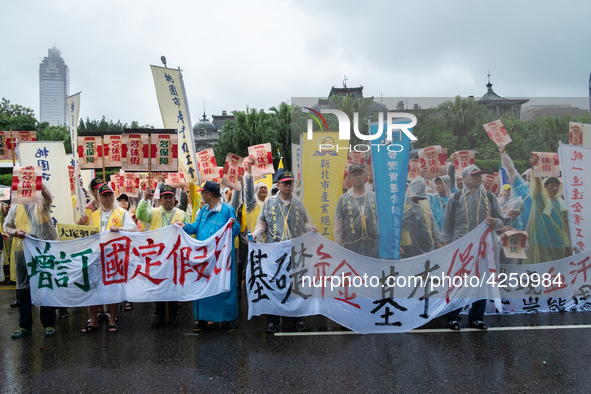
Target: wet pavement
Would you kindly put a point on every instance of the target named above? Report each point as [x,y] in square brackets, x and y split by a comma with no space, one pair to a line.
[175,360]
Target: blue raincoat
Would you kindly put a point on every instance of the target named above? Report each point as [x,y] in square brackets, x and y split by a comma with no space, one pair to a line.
[222,307]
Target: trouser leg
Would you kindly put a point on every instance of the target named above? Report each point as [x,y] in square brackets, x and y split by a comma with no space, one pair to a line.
[25,308]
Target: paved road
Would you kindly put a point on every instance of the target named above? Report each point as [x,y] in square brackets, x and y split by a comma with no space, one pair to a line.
[539,353]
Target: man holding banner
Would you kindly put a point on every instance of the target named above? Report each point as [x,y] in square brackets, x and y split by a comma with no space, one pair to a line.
[464,211]
[33,220]
[283,217]
[114,218]
[157,218]
[212,217]
[356,220]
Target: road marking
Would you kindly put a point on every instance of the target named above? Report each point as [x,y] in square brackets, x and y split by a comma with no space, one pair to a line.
[444,330]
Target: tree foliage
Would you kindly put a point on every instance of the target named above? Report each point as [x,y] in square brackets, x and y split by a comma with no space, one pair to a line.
[462,117]
[16,117]
[45,132]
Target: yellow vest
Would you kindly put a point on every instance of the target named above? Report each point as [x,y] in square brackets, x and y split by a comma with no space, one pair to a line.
[22,222]
[156,220]
[115,219]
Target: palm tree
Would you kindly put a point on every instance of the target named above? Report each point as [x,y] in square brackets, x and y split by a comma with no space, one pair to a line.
[281,119]
[462,115]
[546,133]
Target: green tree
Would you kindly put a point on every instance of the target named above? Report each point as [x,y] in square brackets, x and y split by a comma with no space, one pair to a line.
[547,132]
[45,132]
[461,116]
[430,131]
[16,117]
[250,127]
[281,123]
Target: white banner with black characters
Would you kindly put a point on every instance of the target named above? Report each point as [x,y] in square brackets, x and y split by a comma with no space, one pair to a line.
[311,275]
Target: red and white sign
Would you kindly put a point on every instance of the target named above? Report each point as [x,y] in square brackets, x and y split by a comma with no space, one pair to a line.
[26,185]
[547,164]
[514,244]
[496,132]
[263,159]
[491,183]
[434,160]
[465,158]
[206,164]
[233,171]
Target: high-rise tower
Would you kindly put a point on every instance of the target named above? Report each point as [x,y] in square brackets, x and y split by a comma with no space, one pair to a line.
[54,87]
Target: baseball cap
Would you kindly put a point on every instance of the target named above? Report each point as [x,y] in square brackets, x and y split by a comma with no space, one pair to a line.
[167,189]
[104,188]
[123,196]
[286,176]
[210,186]
[356,167]
[507,187]
[95,183]
[476,171]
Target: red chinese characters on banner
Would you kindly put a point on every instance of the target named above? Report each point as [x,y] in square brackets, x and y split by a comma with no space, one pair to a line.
[575,198]
[233,171]
[575,134]
[134,152]
[464,158]
[206,164]
[26,185]
[115,260]
[491,183]
[113,150]
[263,159]
[547,164]
[131,184]
[219,174]
[175,179]
[414,169]
[496,132]
[72,178]
[90,152]
[434,160]
[514,244]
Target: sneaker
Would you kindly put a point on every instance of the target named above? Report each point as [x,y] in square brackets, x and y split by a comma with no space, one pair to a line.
[48,331]
[479,324]
[301,326]
[455,325]
[200,326]
[271,327]
[232,327]
[21,332]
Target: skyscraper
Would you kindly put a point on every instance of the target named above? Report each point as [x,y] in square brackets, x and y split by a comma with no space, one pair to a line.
[54,87]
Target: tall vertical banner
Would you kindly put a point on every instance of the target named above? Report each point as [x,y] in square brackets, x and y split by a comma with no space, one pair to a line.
[51,157]
[175,115]
[322,176]
[390,166]
[575,161]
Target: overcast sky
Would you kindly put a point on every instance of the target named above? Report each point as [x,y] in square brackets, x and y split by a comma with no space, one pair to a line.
[259,53]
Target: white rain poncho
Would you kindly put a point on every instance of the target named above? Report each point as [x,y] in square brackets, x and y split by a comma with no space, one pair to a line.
[471,207]
[547,226]
[419,232]
[282,220]
[356,223]
[36,221]
[252,203]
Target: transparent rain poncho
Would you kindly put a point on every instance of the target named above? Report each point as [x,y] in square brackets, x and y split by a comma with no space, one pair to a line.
[472,207]
[419,231]
[252,203]
[36,221]
[514,204]
[547,226]
[356,223]
[282,220]
[519,187]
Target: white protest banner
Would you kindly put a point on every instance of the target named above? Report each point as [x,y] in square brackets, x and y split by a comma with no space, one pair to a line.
[174,109]
[161,265]
[547,164]
[264,159]
[51,157]
[433,159]
[579,134]
[73,108]
[577,190]
[496,132]
[312,275]
[26,185]
[514,244]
